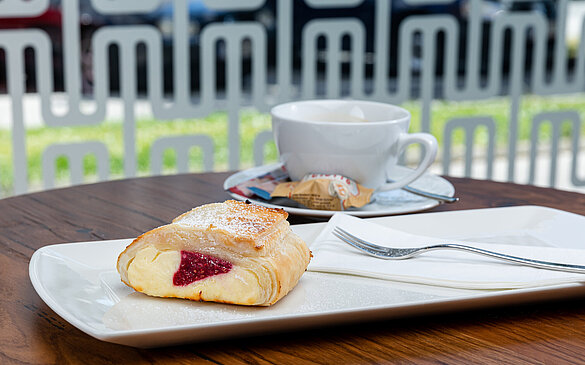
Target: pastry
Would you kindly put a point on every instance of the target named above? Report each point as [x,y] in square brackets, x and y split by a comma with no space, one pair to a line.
[232,252]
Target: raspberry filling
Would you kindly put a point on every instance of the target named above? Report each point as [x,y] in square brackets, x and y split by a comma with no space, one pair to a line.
[196,266]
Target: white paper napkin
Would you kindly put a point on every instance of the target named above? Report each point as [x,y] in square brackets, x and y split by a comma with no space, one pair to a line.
[441,268]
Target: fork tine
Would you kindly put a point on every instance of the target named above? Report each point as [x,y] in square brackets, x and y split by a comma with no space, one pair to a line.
[351,240]
[357,239]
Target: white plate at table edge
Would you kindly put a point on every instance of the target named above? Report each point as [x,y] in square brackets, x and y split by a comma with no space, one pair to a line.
[442,186]
[547,224]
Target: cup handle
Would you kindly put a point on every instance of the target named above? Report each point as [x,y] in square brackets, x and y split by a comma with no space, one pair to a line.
[430,152]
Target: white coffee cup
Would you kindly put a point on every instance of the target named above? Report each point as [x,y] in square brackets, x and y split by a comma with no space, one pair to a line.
[361,140]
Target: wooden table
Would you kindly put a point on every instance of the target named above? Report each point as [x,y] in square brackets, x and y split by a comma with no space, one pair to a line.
[551,332]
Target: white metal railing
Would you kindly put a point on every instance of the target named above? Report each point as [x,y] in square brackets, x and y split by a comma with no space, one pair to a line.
[513,53]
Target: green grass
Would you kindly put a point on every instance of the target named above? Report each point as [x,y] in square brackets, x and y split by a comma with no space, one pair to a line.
[499,109]
[215,126]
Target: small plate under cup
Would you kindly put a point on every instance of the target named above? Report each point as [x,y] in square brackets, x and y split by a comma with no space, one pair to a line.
[386,203]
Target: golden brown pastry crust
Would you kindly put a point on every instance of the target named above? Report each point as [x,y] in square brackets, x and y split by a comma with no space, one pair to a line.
[268,258]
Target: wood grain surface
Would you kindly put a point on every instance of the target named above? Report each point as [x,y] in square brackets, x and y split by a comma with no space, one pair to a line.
[551,332]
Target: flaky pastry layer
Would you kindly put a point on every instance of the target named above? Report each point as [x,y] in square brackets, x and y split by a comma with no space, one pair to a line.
[268,258]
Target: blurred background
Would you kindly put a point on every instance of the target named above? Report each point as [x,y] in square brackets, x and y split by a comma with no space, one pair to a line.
[200,15]
[105,89]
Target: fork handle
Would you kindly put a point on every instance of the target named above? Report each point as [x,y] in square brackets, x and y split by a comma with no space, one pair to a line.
[580,269]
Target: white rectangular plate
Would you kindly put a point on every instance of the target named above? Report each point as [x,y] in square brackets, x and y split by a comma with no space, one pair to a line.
[80,283]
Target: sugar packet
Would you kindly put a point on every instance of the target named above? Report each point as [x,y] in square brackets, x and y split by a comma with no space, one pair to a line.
[325,192]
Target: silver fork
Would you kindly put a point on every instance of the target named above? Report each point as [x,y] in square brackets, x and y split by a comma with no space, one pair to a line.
[405,253]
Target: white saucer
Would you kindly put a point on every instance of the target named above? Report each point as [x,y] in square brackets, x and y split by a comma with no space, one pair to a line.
[387,203]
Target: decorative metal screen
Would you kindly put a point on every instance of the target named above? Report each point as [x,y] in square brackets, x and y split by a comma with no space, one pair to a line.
[500,83]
